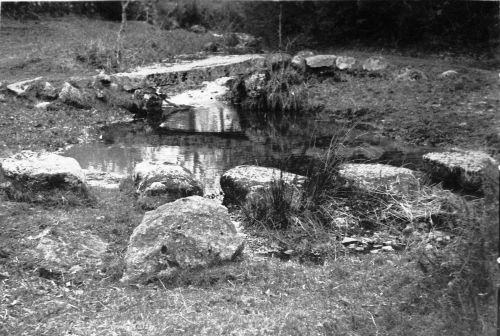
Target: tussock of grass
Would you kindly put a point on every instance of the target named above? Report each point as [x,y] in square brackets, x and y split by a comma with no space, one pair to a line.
[283,94]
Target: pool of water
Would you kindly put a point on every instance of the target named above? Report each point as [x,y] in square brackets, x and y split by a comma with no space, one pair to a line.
[207,156]
[208,139]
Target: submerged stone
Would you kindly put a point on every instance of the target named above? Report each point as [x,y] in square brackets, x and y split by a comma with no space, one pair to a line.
[189,233]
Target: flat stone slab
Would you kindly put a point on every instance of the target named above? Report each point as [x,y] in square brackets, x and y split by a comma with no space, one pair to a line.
[379,177]
[193,71]
[463,168]
[239,181]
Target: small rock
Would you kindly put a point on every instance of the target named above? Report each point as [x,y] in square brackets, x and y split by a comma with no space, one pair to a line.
[21,88]
[345,62]
[198,29]
[411,75]
[299,60]
[42,105]
[3,99]
[448,74]
[73,96]
[321,61]
[387,248]
[48,91]
[349,240]
[255,84]
[375,64]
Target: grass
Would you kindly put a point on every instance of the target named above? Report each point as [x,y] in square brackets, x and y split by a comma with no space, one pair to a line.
[457,277]
[74,46]
[320,287]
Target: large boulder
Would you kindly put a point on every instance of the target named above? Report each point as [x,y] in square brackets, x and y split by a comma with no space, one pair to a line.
[189,233]
[375,64]
[238,182]
[380,177]
[465,169]
[31,171]
[321,61]
[158,183]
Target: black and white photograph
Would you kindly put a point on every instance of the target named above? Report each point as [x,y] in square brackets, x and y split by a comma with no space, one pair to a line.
[249,168]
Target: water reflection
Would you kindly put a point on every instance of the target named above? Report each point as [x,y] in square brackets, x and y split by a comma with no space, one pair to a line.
[207,161]
[215,117]
[208,114]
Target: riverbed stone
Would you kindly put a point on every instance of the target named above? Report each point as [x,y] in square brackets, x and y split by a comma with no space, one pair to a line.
[321,61]
[190,233]
[345,62]
[32,171]
[375,64]
[158,183]
[376,177]
[238,182]
[466,169]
